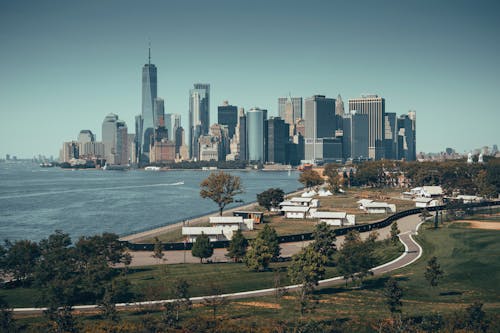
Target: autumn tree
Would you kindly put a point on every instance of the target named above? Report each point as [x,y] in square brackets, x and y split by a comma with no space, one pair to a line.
[271,198]
[237,246]
[202,248]
[433,272]
[310,178]
[221,188]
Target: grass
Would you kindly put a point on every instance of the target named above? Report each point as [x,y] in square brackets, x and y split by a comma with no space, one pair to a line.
[154,282]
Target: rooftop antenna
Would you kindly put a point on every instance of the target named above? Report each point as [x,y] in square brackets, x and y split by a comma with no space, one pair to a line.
[149,53]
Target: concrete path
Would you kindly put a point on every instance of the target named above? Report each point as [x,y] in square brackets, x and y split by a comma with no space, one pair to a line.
[408,226]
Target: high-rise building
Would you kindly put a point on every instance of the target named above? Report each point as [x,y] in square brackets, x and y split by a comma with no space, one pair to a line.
[256,134]
[149,94]
[390,136]
[320,122]
[159,113]
[228,115]
[199,115]
[407,137]
[339,106]
[355,136]
[374,107]
[115,139]
[277,139]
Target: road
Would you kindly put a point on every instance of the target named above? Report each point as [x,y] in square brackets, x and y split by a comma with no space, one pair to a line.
[408,226]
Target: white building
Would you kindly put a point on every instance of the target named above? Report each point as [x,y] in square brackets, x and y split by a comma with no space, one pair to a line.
[378,207]
[335,218]
[295,212]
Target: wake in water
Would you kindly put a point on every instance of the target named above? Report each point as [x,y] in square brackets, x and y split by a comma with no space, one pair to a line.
[89,190]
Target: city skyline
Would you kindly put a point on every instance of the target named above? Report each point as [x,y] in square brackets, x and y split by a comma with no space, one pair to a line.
[64,72]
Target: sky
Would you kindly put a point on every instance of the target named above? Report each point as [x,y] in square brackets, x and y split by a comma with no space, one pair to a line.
[64,65]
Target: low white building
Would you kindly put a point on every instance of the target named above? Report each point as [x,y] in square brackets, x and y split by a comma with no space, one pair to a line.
[425,202]
[307,202]
[295,212]
[219,233]
[229,221]
[379,207]
[335,218]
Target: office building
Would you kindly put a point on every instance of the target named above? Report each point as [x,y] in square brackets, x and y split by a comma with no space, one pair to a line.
[355,136]
[115,140]
[228,115]
[374,107]
[149,94]
[277,139]
[199,115]
[320,122]
[255,134]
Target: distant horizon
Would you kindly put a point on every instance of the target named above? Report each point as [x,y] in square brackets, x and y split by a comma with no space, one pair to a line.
[76,62]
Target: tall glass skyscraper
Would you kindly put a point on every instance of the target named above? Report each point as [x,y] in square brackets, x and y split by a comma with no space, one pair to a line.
[199,115]
[149,94]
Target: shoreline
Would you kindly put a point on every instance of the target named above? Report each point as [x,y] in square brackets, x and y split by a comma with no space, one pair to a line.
[143,235]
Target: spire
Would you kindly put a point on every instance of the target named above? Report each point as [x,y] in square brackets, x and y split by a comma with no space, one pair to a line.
[149,54]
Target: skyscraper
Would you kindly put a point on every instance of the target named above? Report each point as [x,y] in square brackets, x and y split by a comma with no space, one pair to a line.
[228,115]
[199,115]
[319,116]
[255,134]
[149,94]
[115,140]
[374,107]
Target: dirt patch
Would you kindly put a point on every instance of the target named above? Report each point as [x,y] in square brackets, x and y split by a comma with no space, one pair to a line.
[265,305]
[481,224]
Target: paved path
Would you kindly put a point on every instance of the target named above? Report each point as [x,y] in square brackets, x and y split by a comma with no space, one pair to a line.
[408,226]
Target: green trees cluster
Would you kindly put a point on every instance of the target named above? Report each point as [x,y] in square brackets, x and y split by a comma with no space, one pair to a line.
[271,198]
[479,179]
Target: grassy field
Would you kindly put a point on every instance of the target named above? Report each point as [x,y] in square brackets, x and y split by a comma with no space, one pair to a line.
[340,202]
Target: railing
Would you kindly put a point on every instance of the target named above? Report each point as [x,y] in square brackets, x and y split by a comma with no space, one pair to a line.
[309,235]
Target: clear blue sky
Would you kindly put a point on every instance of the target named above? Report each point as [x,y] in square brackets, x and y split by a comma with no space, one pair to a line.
[64,65]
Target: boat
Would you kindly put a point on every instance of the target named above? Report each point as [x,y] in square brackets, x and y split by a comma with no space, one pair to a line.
[152,168]
[116,167]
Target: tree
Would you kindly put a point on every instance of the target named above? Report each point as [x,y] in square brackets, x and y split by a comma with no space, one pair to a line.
[306,269]
[393,294]
[221,188]
[20,259]
[270,237]
[394,233]
[325,241]
[356,256]
[259,255]
[237,246]
[433,272]
[202,247]
[310,178]
[158,250]
[271,198]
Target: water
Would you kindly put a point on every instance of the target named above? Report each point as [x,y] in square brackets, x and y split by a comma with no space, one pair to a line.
[34,201]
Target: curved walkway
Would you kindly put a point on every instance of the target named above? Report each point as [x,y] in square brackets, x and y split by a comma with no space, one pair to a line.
[408,225]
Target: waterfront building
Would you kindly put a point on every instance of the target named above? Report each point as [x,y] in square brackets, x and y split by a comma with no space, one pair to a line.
[199,115]
[374,107]
[149,94]
[277,139]
[355,135]
[228,115]
[320,122]
[115,140]
[256,134]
